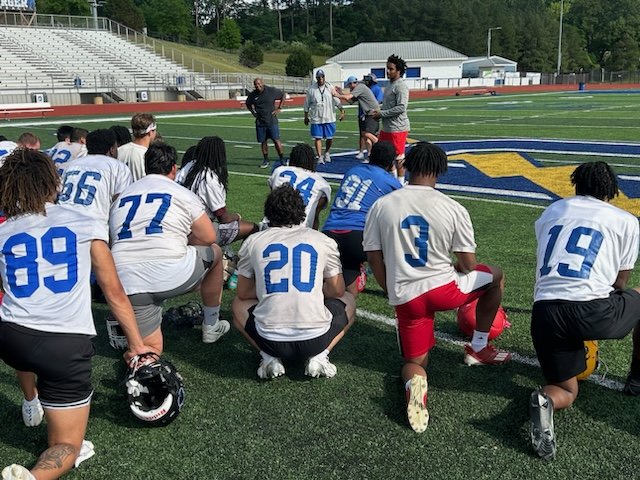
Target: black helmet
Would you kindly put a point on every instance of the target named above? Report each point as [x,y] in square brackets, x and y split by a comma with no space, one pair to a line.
[155,391]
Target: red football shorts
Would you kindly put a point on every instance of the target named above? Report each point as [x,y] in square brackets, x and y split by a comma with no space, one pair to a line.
[399,140]
[416,317]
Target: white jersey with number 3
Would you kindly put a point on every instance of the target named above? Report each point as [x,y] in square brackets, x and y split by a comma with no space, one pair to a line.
[45,265]
[311,186]
[583,243]
[150,223]
[417,228]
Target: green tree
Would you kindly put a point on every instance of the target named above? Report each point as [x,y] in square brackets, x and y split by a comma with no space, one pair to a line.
[625,54]
[299,63]
[229,36]
[168,18]
[251,55]
[64,7]
[125,12]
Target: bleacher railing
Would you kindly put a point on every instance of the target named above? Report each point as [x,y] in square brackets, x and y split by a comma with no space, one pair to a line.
[202,75]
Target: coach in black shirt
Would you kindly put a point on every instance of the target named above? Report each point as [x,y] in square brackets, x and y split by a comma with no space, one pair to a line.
[261,104]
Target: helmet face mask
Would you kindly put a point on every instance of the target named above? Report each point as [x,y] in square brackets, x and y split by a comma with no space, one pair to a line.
[155,390]
[117,339]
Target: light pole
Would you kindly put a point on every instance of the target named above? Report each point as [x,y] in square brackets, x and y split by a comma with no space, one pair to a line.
[560,38]
[489,40]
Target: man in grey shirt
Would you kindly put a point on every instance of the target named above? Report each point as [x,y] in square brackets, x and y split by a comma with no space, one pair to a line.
[368,106]
[395,122]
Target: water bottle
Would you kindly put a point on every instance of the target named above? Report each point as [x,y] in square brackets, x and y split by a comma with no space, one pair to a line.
[232,283]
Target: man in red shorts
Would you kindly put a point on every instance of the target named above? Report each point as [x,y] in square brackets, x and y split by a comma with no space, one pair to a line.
[395,122]
[412,264]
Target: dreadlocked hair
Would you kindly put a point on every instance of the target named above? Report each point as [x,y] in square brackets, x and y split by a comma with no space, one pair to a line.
[596,179]
[400,64]
[302,156]
[28,180]
[210,156]
[426,159]
[284,207]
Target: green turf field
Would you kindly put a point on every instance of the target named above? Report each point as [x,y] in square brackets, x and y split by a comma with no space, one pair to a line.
[353,426]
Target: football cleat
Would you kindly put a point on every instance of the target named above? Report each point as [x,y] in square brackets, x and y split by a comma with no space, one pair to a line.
[32,412]
[265,164]
[632,385]
[489,355]
[270,368]
[155,391]
[87,451]
[417,412]
[16,472]
[543,438]
[320,366]
[213,333]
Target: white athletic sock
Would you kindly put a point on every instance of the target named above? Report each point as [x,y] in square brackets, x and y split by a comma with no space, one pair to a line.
[479,340]
[211,315]
[321,355]
[266,357]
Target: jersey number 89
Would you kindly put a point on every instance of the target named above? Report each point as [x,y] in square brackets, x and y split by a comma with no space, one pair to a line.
[21,253]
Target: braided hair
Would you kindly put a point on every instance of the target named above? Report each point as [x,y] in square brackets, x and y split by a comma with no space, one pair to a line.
[28,180]
[426,159]
[302,156]
[210,156]
[596,179]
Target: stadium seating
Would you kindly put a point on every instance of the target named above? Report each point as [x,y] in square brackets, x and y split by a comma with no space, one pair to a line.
[56,58]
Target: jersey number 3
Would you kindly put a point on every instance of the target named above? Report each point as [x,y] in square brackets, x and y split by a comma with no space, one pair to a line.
[588,252]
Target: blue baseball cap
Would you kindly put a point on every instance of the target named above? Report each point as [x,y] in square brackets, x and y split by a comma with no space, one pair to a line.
[351,79]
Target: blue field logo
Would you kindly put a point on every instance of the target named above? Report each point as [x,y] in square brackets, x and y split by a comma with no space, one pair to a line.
[508,169]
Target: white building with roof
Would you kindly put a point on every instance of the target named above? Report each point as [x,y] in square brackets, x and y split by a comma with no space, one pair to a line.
[426,62]
[484,67]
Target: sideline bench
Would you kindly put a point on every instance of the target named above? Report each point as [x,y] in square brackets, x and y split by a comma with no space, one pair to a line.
[476,91]
[32,108]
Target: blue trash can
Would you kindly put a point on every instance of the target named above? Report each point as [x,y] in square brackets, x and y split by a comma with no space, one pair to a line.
[582,86]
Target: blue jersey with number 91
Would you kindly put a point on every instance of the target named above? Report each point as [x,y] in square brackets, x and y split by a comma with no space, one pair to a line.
[361,186]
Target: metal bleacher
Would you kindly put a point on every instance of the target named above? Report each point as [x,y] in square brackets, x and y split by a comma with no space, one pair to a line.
[69,60]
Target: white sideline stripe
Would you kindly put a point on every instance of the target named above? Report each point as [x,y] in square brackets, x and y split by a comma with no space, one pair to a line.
[539,150]
[516,357]
[494,191]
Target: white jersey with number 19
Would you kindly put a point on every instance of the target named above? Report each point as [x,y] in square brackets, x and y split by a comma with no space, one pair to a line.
[583,243]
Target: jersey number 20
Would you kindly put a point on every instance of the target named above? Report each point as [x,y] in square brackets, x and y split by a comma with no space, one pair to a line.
[304,258]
